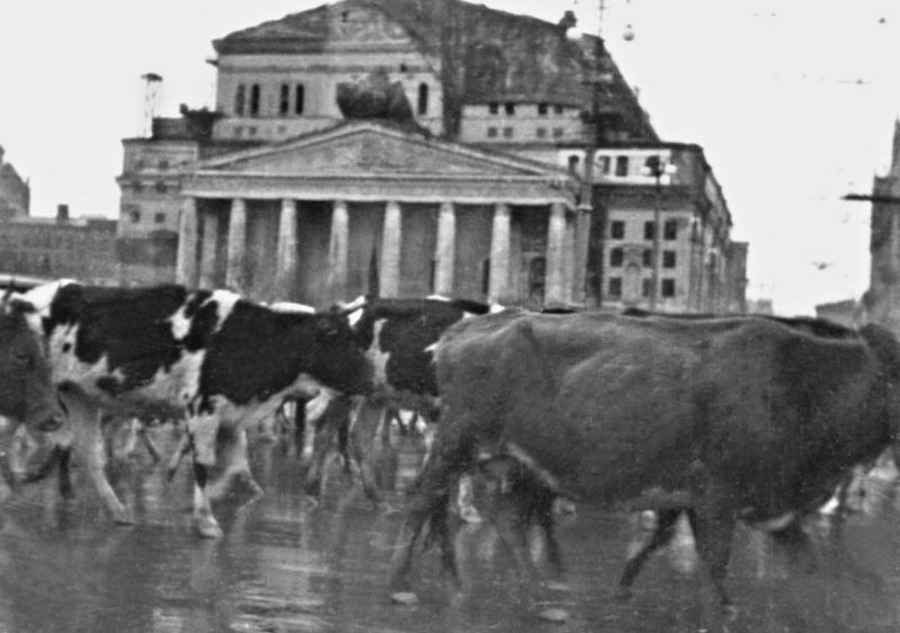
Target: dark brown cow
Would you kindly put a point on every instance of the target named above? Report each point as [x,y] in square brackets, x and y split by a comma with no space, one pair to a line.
[739,418]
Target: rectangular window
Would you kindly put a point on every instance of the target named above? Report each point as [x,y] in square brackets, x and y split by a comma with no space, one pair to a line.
[668,287]
[559,109]
[558,132]
[541,132]
[254,100]
[299,98]
[159,218]
[542,109]
[670,229]
[646,287]
[603,165]
[647,258]
[621,165]
[616,257]
[507,132]
[668,259]
[492,132]
[615,287]
[649,230]
[284,99]
[509,107]
[494,107]
[617,230]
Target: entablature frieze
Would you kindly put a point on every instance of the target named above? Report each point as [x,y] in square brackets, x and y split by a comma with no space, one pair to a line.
[513,190]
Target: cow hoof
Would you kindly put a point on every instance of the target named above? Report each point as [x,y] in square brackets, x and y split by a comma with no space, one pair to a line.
[385,508]
[730,612]
[124,519]
[554,615]
[623,594]
[470,515]
[208,528]
[405,598]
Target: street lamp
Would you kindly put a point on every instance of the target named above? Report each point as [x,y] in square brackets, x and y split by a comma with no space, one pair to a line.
[657,167]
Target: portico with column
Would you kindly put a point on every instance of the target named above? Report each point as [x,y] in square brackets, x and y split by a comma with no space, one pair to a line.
[449,226]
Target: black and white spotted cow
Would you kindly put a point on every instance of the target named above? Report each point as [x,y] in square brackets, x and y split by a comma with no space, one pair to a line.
[210,357]
[398,336]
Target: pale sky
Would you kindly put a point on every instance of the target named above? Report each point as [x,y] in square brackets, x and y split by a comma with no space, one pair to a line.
[794,103]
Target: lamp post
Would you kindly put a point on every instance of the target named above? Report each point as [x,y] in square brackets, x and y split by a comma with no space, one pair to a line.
[657,167]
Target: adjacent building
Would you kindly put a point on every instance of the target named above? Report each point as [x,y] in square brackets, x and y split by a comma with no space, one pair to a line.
[15,192]
[881,301]
[404,148]
[60,247]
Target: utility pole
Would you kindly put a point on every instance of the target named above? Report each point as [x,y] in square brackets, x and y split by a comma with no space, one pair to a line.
[596,76]
[657,167]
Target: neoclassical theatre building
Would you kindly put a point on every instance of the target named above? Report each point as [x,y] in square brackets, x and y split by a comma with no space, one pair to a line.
[410,147]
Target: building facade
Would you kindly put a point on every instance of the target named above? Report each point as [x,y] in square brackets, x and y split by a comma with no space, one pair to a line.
[61,247]
[881,302]
[15,193]
[298,187]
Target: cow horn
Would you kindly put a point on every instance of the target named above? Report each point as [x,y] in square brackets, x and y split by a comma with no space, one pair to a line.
[5,302]
[344,308]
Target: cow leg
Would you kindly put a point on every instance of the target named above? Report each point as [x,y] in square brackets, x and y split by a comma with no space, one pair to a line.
[328,427]
[465,501]
[361,439]
[89,444]
[661,535]
[429,506]
[148,443]
[183,448]
[713,527]
[203,432]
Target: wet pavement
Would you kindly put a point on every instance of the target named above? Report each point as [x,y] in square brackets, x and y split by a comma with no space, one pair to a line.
[284,566]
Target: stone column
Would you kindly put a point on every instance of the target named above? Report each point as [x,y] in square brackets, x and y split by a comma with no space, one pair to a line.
[338,246]
[445,252]
[391,241]
[208,252]
[555,293]
[499,273]
[286,255]
[571,281]
[186,266]
[237,246]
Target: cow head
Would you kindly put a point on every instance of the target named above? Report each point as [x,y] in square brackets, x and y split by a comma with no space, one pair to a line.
[339,361]
[26,391]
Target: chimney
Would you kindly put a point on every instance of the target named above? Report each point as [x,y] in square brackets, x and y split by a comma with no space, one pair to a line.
[62,213]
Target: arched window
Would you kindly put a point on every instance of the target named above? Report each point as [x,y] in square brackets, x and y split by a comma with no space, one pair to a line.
[254,100]
[239,99]
[299,97]
[284,101]
[423,98]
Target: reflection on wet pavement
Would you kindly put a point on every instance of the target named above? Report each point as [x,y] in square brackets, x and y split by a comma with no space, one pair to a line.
[284,566]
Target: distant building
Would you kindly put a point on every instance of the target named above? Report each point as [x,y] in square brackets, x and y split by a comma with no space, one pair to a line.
[882,300]
[15,193]
[401,147]
[760,306]
[845,312]
[60,247]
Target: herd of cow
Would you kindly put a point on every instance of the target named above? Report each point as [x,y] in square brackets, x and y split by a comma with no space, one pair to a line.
[718,418]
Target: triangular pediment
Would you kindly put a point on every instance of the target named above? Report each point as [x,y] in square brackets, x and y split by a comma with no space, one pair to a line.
[361,149]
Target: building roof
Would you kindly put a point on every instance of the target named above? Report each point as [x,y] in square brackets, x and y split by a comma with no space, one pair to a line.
[486,55]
